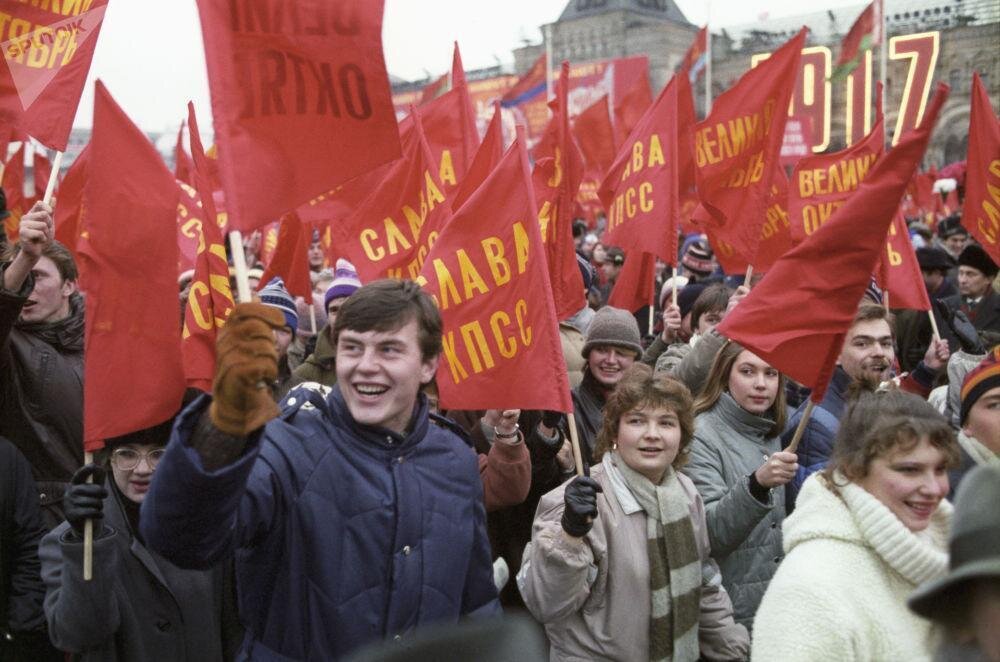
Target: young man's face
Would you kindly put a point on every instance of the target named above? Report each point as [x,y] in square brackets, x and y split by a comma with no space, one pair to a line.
[972,282]
[49,301]
[955,243]
[316,256]
[983,421]
[868,352]
[380,374]
[709,320]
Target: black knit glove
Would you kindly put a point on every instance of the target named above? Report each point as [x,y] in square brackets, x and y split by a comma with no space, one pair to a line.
[581,506]
[552,419]
[85,500]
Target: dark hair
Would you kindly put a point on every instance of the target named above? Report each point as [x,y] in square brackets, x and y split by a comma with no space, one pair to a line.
[388,305]
[56,252]
[868,312]
[718,382]
[638,388]
[877,423]
[615,256]
[713,298]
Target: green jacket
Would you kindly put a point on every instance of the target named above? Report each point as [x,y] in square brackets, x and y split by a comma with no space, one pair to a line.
[319,366]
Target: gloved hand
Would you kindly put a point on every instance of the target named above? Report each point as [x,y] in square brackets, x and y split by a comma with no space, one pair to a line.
[965,332]
[246,365]
[552,419]
[85,500]
[581,506]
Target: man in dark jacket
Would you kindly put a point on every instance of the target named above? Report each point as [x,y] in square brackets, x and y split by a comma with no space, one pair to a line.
[976,297]
[22,622]
[352,515]
[41,358]
[913,327]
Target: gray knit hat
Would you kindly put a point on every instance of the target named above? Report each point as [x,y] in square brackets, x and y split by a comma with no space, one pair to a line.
[613,326]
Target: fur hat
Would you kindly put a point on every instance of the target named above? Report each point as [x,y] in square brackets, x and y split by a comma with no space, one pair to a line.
[979,380]
[275,294]
[345,282]
[934,259]
[613,326]
[974,256]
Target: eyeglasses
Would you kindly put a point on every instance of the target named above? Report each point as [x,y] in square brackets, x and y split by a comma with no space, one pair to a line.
[127,459]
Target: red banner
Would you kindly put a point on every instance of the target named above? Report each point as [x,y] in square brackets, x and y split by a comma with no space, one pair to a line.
[391,231]
[487,274]
[695,59]
[631,106]
[636,285]
[67,212]
[486,159]
[775,235]
[640,189]
[736,148]
[556,179]
[285,99]
[131,346]
[595,134]
[42,172]
[13,186]
[824,182]
[899,272]
[291,258]
[981,213]
[797,316]
[48,48]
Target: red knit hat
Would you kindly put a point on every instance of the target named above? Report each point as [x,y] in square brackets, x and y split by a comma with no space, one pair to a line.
[979,380]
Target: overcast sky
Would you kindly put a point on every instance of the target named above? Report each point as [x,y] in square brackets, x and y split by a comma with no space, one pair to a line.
[150,53]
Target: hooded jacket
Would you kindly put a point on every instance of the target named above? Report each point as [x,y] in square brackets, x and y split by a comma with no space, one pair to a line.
[729,444]
[137,606]
[41,393]
[319,366]
[840,594]
[344,534]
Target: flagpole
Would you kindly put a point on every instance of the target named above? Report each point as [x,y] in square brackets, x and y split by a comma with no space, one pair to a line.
[883,54]
[800,430]
[652,306]
[53,176]
[708,58]
[746,279]
[548,63]
[574,442]
[673,277]
[240,266]
[88,526]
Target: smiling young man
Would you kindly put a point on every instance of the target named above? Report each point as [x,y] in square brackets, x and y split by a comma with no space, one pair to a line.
[41,358]
[352,515]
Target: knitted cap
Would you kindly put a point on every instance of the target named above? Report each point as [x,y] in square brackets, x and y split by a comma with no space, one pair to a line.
[979,380]
[688,295]
[345,282]
[974,256]
[613,326]
[698,259]
[668,286]
[275,294]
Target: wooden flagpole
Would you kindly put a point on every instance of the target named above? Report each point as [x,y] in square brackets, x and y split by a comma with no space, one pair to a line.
[240,266]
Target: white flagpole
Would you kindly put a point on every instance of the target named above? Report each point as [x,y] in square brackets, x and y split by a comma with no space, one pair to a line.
[708,58]
[883,51]
[548,63]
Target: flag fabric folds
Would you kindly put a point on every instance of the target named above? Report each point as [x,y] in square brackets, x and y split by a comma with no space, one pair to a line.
[981,213]
[133,377]
[797,316]
[899,272]
[291,257]
[296,112]
[696,57]
[865,33]
[636,285]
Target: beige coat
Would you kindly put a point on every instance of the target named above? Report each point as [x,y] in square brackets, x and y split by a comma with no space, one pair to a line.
[572,346]
[592,594]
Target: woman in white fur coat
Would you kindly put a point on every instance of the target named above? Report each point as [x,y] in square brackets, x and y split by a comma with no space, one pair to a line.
[865,533]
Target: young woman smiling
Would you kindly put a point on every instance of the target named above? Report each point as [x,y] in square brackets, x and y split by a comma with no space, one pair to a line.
[618,567]
[865,533]
[739,469]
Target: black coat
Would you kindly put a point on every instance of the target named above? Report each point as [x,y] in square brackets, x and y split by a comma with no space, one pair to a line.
[41,394]
[138,606]
[986,315]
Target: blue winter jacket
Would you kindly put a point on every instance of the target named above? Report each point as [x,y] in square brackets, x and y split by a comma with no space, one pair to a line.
[343,534]
[816,444]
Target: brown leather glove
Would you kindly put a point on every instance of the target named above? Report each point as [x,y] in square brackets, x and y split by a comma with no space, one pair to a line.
[246,364]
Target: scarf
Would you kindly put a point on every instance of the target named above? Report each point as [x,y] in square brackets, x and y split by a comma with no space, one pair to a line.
[979,453]
[674,565]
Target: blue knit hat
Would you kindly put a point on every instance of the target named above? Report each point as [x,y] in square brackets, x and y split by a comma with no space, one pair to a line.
[345,282]
[275,294]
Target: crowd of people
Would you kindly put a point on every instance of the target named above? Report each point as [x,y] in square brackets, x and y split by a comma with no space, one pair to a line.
[319,504]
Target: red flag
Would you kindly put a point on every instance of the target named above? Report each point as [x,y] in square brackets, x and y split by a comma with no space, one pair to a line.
[203,172]
[297,112]
[48,53]
[899,272]
[70,204]
[13,187]
[695,58]
[132,374]
[391,231]
[531,84]
[488,276]
[640,189]
[556,179]
[737,147]
[824,182]
[863,35]
[596,136]
[291,257]
[775,235]
[981,213]
[486,159]
[448,139]
[182,162]
[797,316]
[470,131]
[433,89]
[631,107]
[636,284]
[43,171]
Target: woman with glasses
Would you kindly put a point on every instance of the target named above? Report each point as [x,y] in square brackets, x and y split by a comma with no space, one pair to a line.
[137,606]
